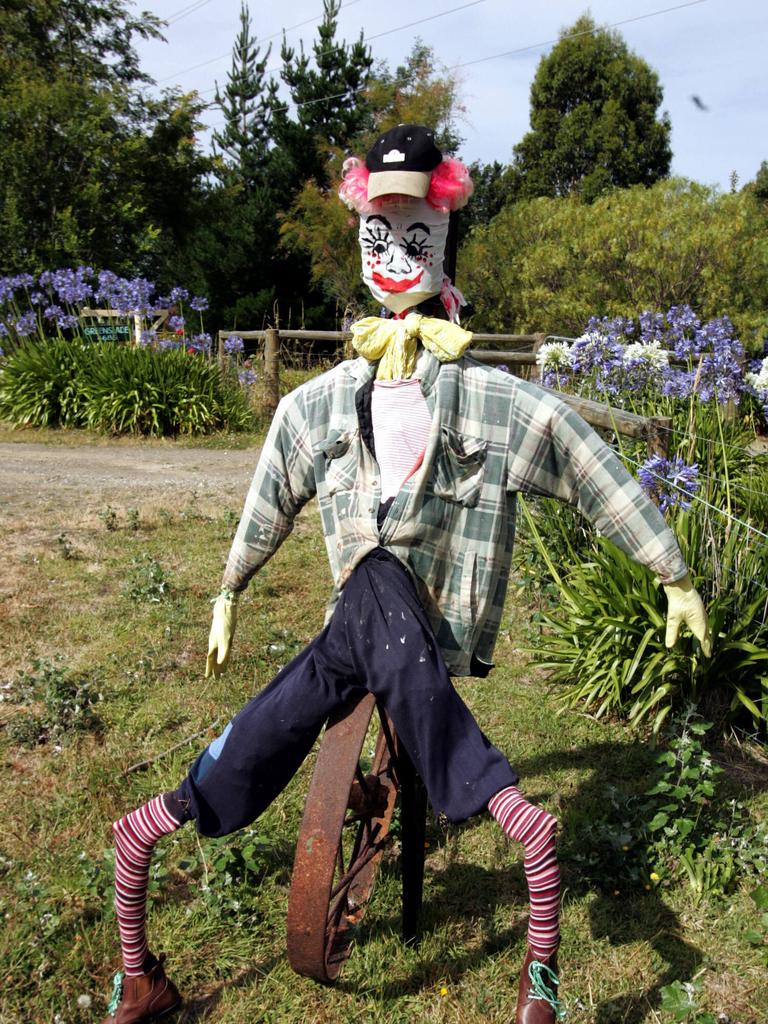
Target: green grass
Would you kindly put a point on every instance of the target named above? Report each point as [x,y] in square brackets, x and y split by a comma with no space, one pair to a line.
[227,944]
[72,436]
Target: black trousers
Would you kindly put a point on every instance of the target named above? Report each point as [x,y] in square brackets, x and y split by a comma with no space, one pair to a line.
[378,639]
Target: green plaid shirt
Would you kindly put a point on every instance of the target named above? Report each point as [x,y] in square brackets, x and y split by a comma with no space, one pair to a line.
[453,523]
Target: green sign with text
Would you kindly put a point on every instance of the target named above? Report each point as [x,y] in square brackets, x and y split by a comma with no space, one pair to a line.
[107,332]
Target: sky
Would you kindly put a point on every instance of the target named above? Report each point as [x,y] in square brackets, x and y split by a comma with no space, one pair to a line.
[714,50]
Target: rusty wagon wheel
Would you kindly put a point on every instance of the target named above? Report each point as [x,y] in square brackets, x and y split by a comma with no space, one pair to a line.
[343,834]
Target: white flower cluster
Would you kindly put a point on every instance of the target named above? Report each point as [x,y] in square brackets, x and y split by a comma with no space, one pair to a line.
[554,355]
[759,380]
[651,353]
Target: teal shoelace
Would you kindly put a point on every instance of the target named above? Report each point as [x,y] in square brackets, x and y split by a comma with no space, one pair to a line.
[117,991]
[541,988]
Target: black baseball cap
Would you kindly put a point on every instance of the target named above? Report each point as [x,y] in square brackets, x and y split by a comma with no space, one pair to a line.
[401,161]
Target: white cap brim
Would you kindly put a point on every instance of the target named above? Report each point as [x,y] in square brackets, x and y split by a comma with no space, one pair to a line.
[401,183]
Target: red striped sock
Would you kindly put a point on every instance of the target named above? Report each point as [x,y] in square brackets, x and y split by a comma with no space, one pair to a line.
[135,838]
[535,829]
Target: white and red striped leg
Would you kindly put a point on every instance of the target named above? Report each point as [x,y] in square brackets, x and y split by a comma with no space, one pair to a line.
[535,828]
[135,838]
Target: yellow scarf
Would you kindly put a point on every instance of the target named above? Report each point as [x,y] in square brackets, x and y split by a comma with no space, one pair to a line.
[394,342]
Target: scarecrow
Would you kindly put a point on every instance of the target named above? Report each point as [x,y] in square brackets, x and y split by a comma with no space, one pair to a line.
[416,453]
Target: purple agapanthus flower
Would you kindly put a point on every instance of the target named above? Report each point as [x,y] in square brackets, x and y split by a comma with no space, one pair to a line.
[132,297]
[71,286]
[247,377]
[652,327]
[598,355]
[6,289]
[175,323]
[169,343]
[234,345]
[178,295]
[200,342]
[615,328]
[670,481]
[147,338]
[199,303]
[682,332]
[26,324]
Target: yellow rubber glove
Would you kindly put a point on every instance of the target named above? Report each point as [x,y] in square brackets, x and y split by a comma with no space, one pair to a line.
[222,631]
[685,607]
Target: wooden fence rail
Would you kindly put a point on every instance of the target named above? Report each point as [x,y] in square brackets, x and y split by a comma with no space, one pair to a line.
[654,430]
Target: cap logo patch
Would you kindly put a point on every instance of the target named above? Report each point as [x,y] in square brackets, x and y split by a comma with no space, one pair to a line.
[394,156]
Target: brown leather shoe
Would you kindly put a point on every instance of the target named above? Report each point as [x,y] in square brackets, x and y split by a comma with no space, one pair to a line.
[144,998]
[537,1001]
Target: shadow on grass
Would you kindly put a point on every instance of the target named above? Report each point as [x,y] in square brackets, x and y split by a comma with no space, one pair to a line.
[459,891]
[462,890]
[623,920]
[202,1007]
[468,891]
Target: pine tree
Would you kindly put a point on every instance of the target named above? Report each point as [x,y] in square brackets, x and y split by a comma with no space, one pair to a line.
[247,103]
[330,107]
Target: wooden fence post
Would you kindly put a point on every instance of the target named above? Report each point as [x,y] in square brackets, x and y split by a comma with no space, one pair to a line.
[271,370]
[659,428]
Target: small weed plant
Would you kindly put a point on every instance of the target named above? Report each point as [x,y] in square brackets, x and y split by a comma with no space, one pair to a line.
[681,1001]
[147,581]
[757,935]
[108,517]
[67,549]
[57,705]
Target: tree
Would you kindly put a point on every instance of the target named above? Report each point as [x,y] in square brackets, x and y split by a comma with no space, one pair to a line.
[419,92]
[759,186]
[494,187]
[330,107]
[594,123]
[247,103]
[92,170]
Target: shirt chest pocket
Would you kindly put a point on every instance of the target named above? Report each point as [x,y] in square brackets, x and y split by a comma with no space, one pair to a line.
[460,467]
[340,452]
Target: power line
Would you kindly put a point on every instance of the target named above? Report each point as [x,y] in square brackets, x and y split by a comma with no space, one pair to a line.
[368,39]
[495,56]
[575,35]
[262,39]
[184,11]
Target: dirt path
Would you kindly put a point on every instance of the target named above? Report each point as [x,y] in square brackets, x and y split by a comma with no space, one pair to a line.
[46,490]
[33,476]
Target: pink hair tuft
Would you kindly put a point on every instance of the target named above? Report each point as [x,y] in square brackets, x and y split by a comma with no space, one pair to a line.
[353,190]
[450,187]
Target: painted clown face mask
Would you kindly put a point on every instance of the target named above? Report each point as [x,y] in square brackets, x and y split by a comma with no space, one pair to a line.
[402,246]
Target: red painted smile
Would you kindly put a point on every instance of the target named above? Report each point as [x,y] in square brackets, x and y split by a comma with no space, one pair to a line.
[388,284]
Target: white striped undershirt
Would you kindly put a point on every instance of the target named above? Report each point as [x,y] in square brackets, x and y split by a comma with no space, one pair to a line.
[401,422]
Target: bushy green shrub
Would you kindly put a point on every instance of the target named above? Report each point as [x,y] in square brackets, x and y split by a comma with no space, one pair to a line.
[40,385]
[549,264]
[120,389]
